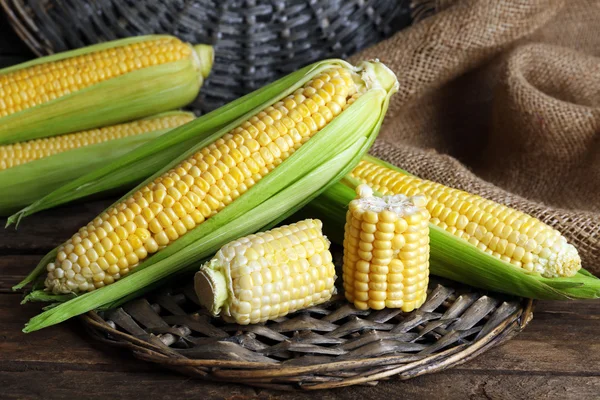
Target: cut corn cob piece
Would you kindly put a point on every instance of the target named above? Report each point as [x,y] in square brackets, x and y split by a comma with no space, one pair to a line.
[199,187]
[267,275]
[500,231]
[21,153]
[323,160]
[386,251]
[32,181]
[99,85]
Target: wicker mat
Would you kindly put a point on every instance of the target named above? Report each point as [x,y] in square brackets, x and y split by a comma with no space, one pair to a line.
[327,346]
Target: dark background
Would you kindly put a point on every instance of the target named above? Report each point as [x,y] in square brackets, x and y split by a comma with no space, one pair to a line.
[12,49]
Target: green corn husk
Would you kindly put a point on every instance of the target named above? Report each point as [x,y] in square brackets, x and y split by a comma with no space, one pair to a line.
[134,95]
[320,162]
[145,160]
[26,183]
[456,259]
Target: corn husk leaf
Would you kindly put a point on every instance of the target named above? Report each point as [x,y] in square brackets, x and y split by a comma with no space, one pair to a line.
[320,162]
[457,259]
[26,183]
[134,95]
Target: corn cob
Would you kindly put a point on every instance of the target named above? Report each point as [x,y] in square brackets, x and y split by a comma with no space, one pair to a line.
[32,181]
[268,275]
[330,154]
[99,85]
[21,153]
[500,231]
[386,251]
[199,187]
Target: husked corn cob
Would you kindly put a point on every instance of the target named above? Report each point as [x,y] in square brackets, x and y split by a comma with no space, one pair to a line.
[386,251]
[503,232]
[42,83]
[269,274]
[20,153]
[199,187]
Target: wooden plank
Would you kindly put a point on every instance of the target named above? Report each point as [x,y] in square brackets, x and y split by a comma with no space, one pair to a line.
[444,386]
[13,268]
[562,338]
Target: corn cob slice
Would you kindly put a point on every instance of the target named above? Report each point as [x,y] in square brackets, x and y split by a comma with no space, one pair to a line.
[21,153]
[386,251]
[324,159]
[99,85]
[503,232]
[199,187]
[268,275]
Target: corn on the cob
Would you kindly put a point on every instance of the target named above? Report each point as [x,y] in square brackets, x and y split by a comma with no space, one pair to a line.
[99,85]
[500,231]
[199,187]
[21,153]
[386,251]
[269,274]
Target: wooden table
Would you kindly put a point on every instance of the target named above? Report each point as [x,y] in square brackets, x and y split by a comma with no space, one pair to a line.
[556,357]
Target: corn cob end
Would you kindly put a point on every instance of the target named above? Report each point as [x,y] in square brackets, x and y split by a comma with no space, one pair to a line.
[206,56]
[210,285]
[565,262]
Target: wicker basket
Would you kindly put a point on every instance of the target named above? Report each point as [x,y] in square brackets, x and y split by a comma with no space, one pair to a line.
[327,346]
[256,41]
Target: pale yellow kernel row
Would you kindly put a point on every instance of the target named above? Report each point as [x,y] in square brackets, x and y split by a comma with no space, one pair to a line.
[20,153]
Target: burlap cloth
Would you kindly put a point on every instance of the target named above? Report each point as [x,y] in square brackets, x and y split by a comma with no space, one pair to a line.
[502,98]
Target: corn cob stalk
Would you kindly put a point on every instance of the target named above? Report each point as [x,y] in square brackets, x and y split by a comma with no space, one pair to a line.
[99,85]
[268,275]
[452,255]
[20,153]
[32,180]
[315,164]
[386,251]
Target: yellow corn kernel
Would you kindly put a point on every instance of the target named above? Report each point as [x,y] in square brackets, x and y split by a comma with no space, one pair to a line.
[267,279]
[392,270]
[501,231]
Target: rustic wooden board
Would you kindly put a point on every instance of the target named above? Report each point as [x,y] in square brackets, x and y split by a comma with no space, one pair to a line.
[556,357]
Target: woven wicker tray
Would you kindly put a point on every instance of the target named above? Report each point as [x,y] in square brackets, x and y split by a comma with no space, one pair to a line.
[328,346]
